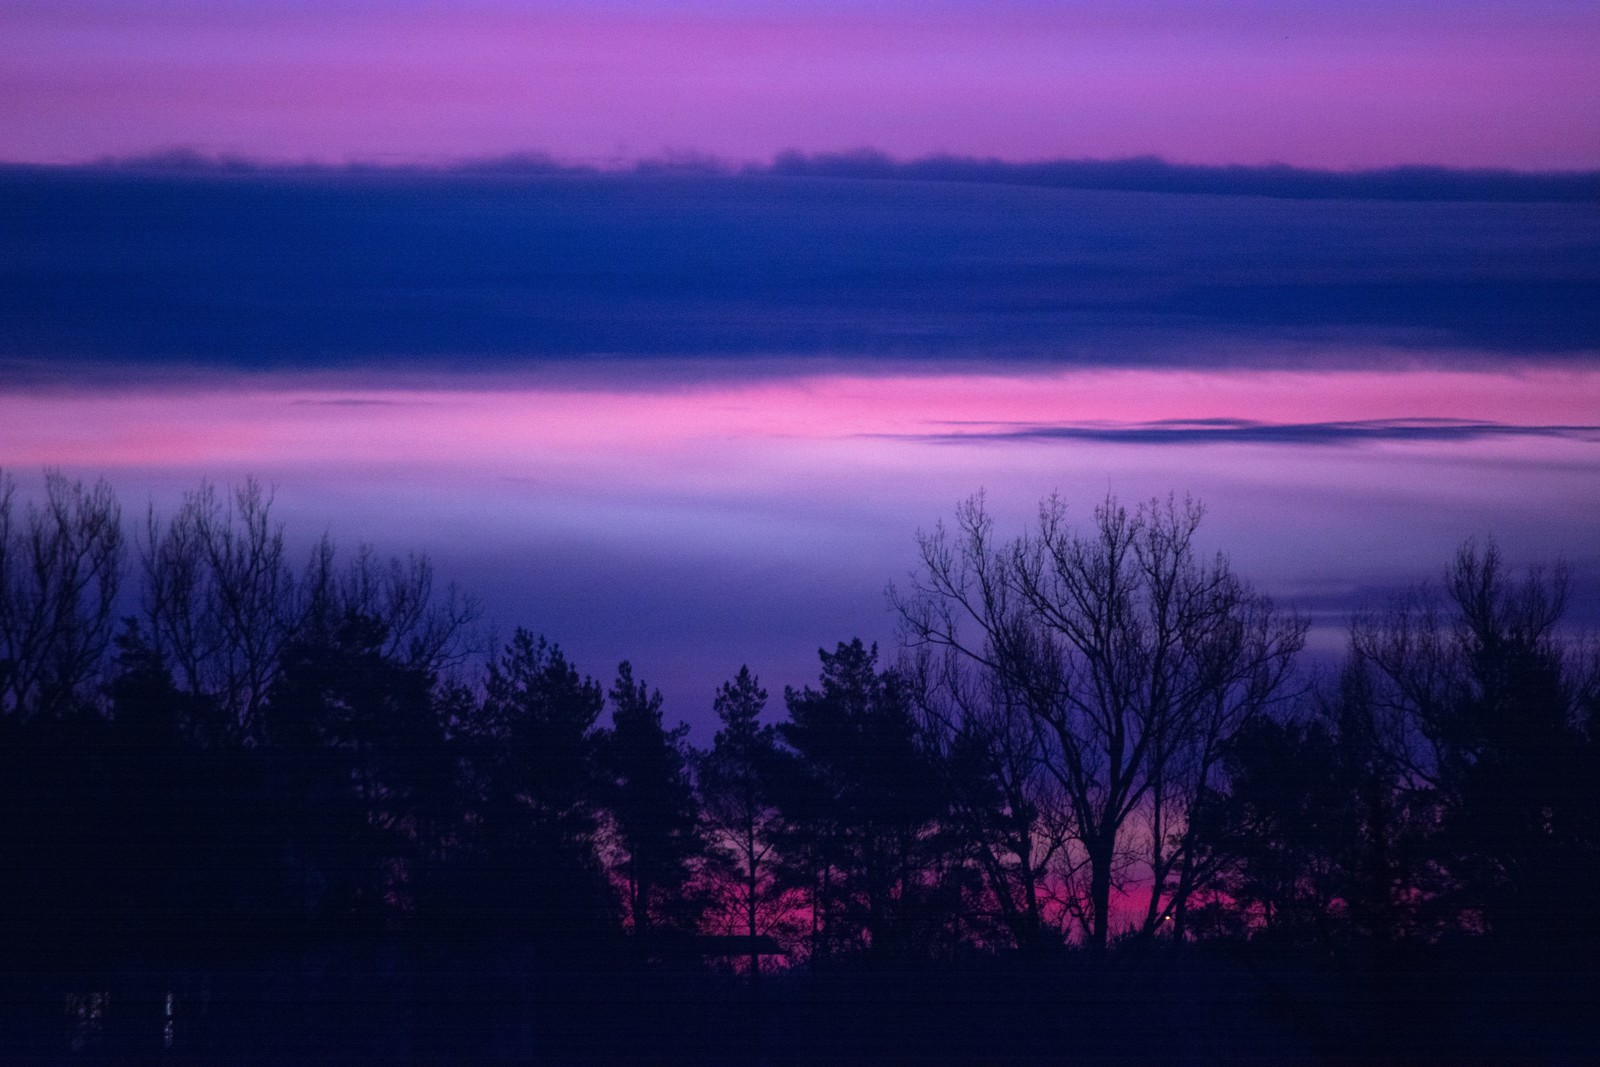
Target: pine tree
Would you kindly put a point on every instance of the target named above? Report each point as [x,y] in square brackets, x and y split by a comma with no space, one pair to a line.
[653,810]
[735,780]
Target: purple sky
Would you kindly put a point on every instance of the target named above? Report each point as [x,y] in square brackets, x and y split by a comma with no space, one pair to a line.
[696,420]
[1468,83]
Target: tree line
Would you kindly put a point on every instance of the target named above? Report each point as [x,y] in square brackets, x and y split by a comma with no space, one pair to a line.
[1091,736]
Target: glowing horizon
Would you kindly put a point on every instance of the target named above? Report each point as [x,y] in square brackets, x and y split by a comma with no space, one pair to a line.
[248,418]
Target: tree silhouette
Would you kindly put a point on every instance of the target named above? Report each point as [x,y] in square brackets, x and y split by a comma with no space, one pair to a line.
[1006,814]
[220,599]
[60,570]
[355,745]
[1280,836]
[736,790]
[530,868]
[1445,782]
[652,805]
[222,602]
[1492,712]
[422,627]
[1135,659]
[859,799]
[199,820]
[1078,712]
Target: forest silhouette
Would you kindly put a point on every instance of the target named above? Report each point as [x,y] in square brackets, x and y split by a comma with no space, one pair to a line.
[268,807]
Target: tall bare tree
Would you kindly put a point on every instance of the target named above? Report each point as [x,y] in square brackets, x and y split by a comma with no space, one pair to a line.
[1133,657]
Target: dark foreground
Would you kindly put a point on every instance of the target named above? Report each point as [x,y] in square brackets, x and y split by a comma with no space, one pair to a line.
[1239,1006]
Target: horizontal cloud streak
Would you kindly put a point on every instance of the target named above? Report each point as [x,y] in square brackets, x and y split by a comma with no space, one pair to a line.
[1247,431]
[1151,174]
[1144,174]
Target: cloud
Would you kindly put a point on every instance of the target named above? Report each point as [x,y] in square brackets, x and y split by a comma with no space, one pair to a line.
[349,402]
[525,264]
[1246,431]
[1151,174]
[1148,174]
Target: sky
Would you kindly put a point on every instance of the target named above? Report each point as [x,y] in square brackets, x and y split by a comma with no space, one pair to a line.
[1357,83]
[642,389]
[694,528]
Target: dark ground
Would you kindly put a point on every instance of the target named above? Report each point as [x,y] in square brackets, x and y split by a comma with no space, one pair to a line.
[1241,1005]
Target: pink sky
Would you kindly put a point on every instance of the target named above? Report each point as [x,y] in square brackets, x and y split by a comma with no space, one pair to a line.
[317,420]
[1353,85]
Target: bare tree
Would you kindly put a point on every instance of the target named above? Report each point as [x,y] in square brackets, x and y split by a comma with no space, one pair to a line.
[423,628]
[60,571]
[1133,659]
[222,601]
